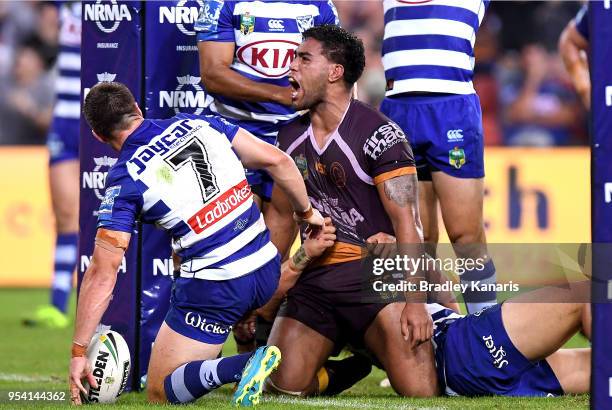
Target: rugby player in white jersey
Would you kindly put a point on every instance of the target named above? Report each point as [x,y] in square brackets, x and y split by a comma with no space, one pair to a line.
[183,175]
[428,56]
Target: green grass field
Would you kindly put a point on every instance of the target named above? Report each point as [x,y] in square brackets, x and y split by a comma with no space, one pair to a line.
[37,360]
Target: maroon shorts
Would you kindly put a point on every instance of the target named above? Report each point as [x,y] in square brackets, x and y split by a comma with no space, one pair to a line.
[331,300]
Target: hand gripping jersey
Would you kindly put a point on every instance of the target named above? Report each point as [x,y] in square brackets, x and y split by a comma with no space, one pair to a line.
[266,35]
[365,150]
[428,45]
[182,175]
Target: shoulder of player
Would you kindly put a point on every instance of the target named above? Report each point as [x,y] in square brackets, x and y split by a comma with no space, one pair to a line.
[364,120]
[294,128]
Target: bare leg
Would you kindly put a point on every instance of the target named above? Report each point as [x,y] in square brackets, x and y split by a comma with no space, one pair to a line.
[428,210]
[540,329]
[573,369]
[64,183]
[278,215]
[304,352]
[170,351]
[411,372]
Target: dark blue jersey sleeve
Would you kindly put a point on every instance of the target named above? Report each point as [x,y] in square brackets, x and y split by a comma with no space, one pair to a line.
[122,202]
[215,21]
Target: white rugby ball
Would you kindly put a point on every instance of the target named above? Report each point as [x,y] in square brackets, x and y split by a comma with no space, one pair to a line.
[109,357]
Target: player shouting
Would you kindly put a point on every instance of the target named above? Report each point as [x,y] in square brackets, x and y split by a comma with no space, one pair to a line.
[359,171]
[183,175]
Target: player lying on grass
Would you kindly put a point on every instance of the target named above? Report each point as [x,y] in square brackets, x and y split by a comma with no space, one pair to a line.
[182,174]
[514,348]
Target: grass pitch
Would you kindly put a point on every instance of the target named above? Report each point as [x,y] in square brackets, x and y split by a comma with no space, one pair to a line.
[36,360]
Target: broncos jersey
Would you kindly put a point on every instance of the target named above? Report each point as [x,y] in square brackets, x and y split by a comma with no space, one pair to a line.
[428,45]
[182,175]
[266,35]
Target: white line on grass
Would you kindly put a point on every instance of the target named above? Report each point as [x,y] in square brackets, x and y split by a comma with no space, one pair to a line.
[22,378]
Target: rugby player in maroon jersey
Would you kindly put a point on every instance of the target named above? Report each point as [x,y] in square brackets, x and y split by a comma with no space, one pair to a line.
[359,171]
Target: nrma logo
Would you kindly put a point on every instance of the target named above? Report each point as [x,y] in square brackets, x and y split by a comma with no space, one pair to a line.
[187,97]
[183,15]
[107,14]
[96,179]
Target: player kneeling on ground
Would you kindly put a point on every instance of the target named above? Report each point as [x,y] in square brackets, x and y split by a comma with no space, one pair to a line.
[182,174]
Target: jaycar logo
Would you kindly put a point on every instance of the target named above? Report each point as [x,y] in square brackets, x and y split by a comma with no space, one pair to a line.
[270,58]
[182,15]
[223,205]
[107,14]
[195,320]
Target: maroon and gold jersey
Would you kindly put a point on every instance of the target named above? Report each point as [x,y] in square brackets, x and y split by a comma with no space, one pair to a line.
[341,177]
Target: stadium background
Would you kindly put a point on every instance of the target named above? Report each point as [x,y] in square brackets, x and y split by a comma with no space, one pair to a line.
[537,176]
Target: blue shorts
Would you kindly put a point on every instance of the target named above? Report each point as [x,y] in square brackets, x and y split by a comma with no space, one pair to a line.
[445,132]
[261,183]
[63,140]
[206,310]
[475,357]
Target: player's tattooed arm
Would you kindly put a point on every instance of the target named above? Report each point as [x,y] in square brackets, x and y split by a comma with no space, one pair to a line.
[402,190]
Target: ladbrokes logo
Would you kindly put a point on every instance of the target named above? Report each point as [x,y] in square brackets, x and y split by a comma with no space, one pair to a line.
[184,15]
[107,14]
[386,136]
[97,178]
[195,320]
[216,210]
[187,97]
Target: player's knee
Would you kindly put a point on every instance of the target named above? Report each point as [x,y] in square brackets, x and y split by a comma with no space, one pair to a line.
[406,388]
[289,381]
[156,393]
[66,219]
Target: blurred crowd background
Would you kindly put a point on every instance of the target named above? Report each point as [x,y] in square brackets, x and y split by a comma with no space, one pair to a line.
[526,95]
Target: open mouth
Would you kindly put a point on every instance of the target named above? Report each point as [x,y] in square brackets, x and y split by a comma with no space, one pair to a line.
[296,87]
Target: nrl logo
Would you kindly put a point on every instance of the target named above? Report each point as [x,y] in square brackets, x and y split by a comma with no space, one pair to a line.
[106,77]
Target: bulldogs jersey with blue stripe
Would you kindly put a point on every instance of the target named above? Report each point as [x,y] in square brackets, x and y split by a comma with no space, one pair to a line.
[428,45]
[68,84]
[266,35]
[182,175]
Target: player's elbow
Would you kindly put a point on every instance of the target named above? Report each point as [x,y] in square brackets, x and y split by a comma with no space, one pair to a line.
[278,163]
[212,79]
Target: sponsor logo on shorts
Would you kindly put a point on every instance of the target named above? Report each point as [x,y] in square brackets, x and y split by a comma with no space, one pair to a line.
[454,136]
[385,137]
[219,208]
[497,352]
[197,321]
[456,157]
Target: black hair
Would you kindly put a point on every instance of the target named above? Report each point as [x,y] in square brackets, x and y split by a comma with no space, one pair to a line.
[107,108]
[342,48]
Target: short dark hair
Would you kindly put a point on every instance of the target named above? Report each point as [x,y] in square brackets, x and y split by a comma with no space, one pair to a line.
[107,107]
[342,48]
